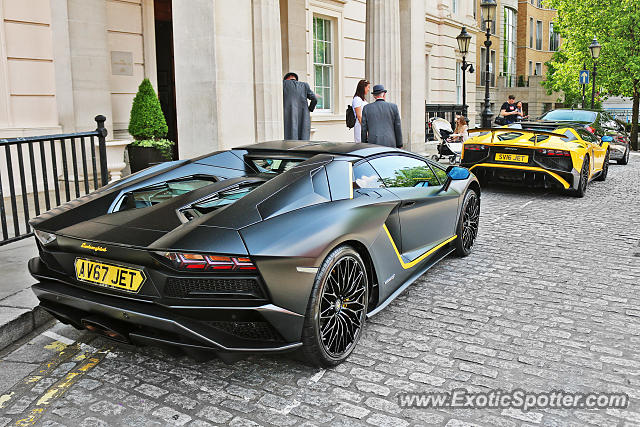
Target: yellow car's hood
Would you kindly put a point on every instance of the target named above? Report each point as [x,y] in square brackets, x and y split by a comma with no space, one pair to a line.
[526,139]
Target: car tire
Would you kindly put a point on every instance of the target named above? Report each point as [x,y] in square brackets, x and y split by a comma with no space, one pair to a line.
[605,168]
[584,179]
[337,309]
[467,228]
[625,159]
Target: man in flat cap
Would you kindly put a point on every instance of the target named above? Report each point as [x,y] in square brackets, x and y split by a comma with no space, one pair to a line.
[297,120]
[381,121]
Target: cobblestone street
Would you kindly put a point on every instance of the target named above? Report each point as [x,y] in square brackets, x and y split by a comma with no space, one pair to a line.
[548,300]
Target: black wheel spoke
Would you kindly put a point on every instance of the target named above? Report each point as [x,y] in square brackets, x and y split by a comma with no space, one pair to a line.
[342,306]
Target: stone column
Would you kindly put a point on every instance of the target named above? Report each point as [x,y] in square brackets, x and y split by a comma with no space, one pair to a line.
[90,62]
[62,65]
[412,48]
[382,55]
[267,65]
[194,41]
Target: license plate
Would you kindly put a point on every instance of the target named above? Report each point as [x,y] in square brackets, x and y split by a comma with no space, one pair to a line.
[507,157]
[109,275]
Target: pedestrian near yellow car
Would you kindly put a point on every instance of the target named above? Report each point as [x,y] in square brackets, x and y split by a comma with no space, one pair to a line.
[565,156]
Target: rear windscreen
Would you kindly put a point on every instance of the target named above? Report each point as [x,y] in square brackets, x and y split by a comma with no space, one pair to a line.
[273,165]
[570,116]
[149,196]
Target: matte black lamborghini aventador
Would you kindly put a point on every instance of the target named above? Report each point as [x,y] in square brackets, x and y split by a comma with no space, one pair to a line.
[268,247]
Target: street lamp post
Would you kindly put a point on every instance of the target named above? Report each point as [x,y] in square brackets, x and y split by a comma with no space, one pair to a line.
[488,8]
[464,39]
[594,47]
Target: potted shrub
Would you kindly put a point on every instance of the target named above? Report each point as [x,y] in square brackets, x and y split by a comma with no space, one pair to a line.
[148,128]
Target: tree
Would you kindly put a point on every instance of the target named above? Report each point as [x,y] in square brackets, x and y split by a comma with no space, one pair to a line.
[147,120]
[616,24]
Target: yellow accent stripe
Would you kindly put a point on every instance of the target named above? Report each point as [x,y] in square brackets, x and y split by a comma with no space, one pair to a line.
[350,180]
[528,168]
[407,265]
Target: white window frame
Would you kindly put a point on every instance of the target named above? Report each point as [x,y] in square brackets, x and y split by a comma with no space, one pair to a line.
[530,68]
[539,35]
[454,6]
[551,37]
[509,45]
[538,71]
[327,66]
[334,13]
[531,31]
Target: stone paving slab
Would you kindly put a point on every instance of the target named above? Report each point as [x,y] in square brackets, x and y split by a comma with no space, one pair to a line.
[19,312]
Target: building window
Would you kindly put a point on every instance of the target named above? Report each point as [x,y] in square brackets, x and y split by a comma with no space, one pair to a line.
[531,30]
[509,46]
[530,68]
[539,35]
[554,38]
[538,69]
[459,83]
[454,6]
[483,66]
[540,3]
[323,62]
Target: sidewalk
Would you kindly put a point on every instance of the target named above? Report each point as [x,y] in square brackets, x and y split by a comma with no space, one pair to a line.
[19,314]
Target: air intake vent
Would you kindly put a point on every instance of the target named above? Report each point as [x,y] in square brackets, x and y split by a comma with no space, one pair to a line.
[213,288]
[261,331]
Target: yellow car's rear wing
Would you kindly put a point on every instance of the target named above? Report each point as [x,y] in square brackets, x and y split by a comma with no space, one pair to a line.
[523,131]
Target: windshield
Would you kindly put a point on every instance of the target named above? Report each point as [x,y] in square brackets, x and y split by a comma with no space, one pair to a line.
[570,116]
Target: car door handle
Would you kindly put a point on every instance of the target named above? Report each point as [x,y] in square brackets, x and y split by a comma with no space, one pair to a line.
[408,204]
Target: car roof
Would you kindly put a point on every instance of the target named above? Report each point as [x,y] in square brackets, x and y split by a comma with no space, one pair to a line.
[311,148]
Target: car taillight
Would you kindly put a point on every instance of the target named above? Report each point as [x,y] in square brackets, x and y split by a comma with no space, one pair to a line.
[203,262]
[547,152]
[590,129]
[475,147]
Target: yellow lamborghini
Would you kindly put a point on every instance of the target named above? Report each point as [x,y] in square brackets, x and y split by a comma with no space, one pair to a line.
[565,156]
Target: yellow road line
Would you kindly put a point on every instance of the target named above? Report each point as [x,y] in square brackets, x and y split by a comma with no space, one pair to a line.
[59,388]
[407,265]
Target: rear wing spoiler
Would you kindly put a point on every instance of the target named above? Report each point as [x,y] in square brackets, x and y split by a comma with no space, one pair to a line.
[536,132]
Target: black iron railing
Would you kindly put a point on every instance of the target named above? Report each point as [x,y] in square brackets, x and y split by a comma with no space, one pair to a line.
[34,169]
[446,111]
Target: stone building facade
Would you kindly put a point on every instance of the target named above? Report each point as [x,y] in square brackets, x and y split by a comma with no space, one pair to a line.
[218,64]
[522,43]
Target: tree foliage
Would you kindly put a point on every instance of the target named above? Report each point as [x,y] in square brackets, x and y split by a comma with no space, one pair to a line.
[616,24]
[146,120]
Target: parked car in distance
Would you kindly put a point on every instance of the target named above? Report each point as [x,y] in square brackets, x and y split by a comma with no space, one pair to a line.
[599,123]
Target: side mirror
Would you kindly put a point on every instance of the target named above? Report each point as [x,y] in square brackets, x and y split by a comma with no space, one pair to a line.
[458,173]
[455,173]
[607,138]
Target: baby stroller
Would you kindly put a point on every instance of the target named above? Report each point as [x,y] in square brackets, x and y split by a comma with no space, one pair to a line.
[446,146]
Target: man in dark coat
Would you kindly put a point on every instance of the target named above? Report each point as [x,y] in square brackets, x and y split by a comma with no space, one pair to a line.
[297,120]
[381,121]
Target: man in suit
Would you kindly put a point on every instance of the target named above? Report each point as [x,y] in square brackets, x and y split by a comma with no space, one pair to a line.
[297,120]
[381,121]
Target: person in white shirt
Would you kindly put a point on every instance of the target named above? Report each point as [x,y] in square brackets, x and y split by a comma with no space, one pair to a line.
[461,134]
[358,104]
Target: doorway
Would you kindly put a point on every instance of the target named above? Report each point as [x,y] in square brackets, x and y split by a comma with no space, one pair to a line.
[165,67]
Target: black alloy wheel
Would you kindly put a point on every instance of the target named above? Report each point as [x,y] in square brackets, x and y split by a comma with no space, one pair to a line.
[468,223]
[605,168]
[584,179]
[625,159]
[337,308]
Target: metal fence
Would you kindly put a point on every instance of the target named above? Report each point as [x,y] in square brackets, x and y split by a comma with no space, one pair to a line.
[41,172]
[446,111]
